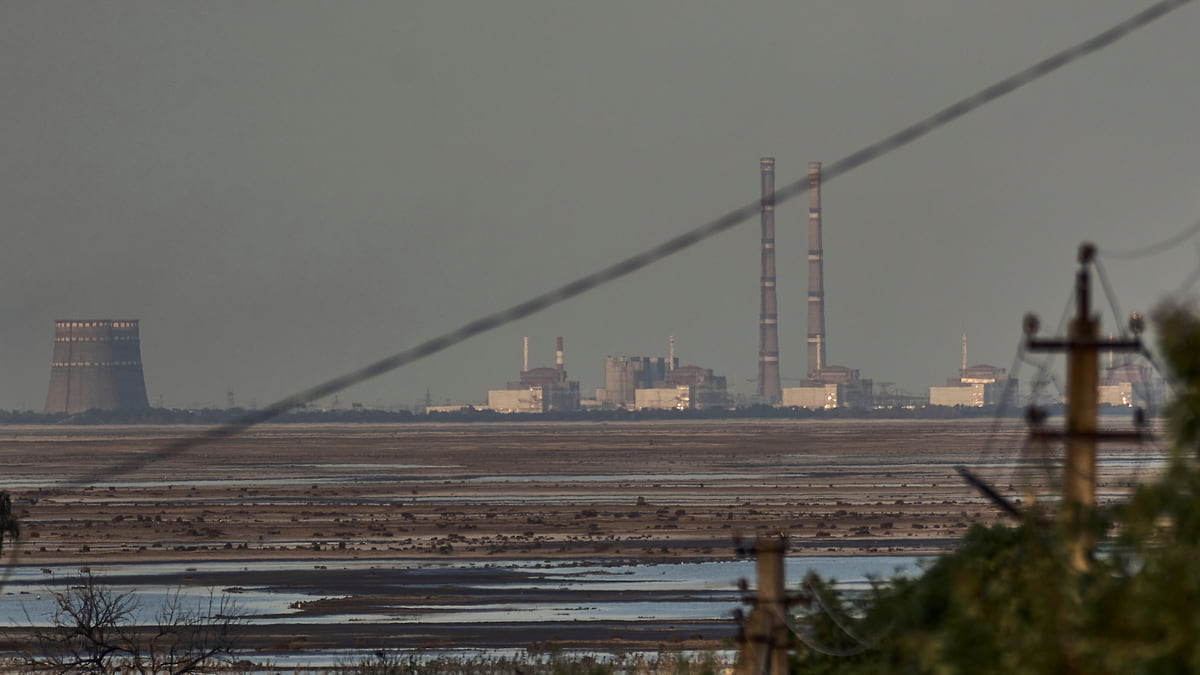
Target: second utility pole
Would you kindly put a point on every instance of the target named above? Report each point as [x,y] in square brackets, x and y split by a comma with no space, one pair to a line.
[1082,346]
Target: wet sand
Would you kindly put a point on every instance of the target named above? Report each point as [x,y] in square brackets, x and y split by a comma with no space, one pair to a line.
[614,492]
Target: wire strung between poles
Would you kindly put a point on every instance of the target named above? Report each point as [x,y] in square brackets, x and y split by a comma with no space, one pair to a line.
[644,259]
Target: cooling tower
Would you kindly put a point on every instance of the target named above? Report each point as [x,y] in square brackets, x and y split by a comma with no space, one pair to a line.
[768,322]
[97,364]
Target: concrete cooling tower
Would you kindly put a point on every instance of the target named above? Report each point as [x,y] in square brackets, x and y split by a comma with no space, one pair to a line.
[97,364]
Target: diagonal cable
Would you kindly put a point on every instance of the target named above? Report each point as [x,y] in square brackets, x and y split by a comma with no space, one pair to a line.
[1155,248]
[646,258]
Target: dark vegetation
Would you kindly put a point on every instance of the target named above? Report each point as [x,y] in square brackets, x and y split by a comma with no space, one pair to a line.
[1007,601]
[94,629]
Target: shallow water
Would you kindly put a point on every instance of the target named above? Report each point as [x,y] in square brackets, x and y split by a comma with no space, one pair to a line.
[703,590]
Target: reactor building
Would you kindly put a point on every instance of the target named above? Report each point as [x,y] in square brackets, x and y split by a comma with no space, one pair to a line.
[625,375]
[539,390]
[97,364]
[976,386]
[657,383]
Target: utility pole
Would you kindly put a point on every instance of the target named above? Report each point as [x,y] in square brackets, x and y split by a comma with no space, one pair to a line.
[767,638]
[1082,346]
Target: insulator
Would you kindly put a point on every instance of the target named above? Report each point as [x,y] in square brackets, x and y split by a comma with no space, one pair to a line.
[1087,252]
[1031,324]
[1136,323]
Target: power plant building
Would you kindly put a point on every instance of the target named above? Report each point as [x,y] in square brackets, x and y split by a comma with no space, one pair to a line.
[1131,384]
[664,398]
[516,400]
[624,375]
[976,386]
[97,365]
[815,396]
[539,390]
[685,388]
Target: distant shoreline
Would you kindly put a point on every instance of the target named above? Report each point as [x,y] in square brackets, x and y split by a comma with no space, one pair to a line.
[468,415]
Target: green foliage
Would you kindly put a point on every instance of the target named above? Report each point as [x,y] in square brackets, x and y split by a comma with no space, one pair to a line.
[1006,601]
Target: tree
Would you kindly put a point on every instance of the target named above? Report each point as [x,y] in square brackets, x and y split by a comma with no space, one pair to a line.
[8,522]
[94,630]
[1007,601]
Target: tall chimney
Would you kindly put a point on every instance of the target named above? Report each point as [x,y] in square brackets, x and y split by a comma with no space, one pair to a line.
[768,322]
[671,355]
[526,368]
[558,356]
[816,276]
[964,355]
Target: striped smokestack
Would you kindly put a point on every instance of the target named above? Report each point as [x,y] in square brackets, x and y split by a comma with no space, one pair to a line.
[768,326]
[558,356]
[816,276]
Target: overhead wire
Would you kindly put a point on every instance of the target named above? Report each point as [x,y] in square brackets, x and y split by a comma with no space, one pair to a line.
[1025,468]
[1190,281]
[649,256]
[636,262]
[1112,298]
[812,643]
[1155,248]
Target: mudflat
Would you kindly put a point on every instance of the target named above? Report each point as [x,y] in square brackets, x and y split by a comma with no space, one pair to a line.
[554,492]
[548,490]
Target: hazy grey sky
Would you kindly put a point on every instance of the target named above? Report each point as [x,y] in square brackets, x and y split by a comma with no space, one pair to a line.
[282,191]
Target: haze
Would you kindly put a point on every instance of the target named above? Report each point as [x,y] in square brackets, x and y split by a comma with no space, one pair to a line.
[283,191]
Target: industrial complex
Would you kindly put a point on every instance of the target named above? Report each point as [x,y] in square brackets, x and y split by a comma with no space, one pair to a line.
[97,362]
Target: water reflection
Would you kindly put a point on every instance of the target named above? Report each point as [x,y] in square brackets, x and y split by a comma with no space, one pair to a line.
[409,592]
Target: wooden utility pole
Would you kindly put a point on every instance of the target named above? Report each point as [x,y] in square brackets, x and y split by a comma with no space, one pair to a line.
[1083,400]
[1082,346]
[765,647]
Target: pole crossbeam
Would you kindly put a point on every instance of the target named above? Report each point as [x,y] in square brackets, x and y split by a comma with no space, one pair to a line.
[1082,346]
[1102,345]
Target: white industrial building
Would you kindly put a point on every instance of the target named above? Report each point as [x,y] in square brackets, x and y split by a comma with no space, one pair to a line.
[663,398]
[528,400]
[975,387]
[971,394]
[815,396]
[1117,394]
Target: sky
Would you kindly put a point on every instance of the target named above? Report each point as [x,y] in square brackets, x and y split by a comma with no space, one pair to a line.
[285,191]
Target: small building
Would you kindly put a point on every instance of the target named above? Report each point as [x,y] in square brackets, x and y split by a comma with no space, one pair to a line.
[430,409]
[814,396]
[1131,384]
[1116,394]
[974,395]
[664,398]
[706,390]
[624,375]
[976,386]
[527,400]
[539,390]
[831,387]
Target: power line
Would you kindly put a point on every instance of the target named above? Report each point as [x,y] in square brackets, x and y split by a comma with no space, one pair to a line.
[646,258]
[1155,248]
